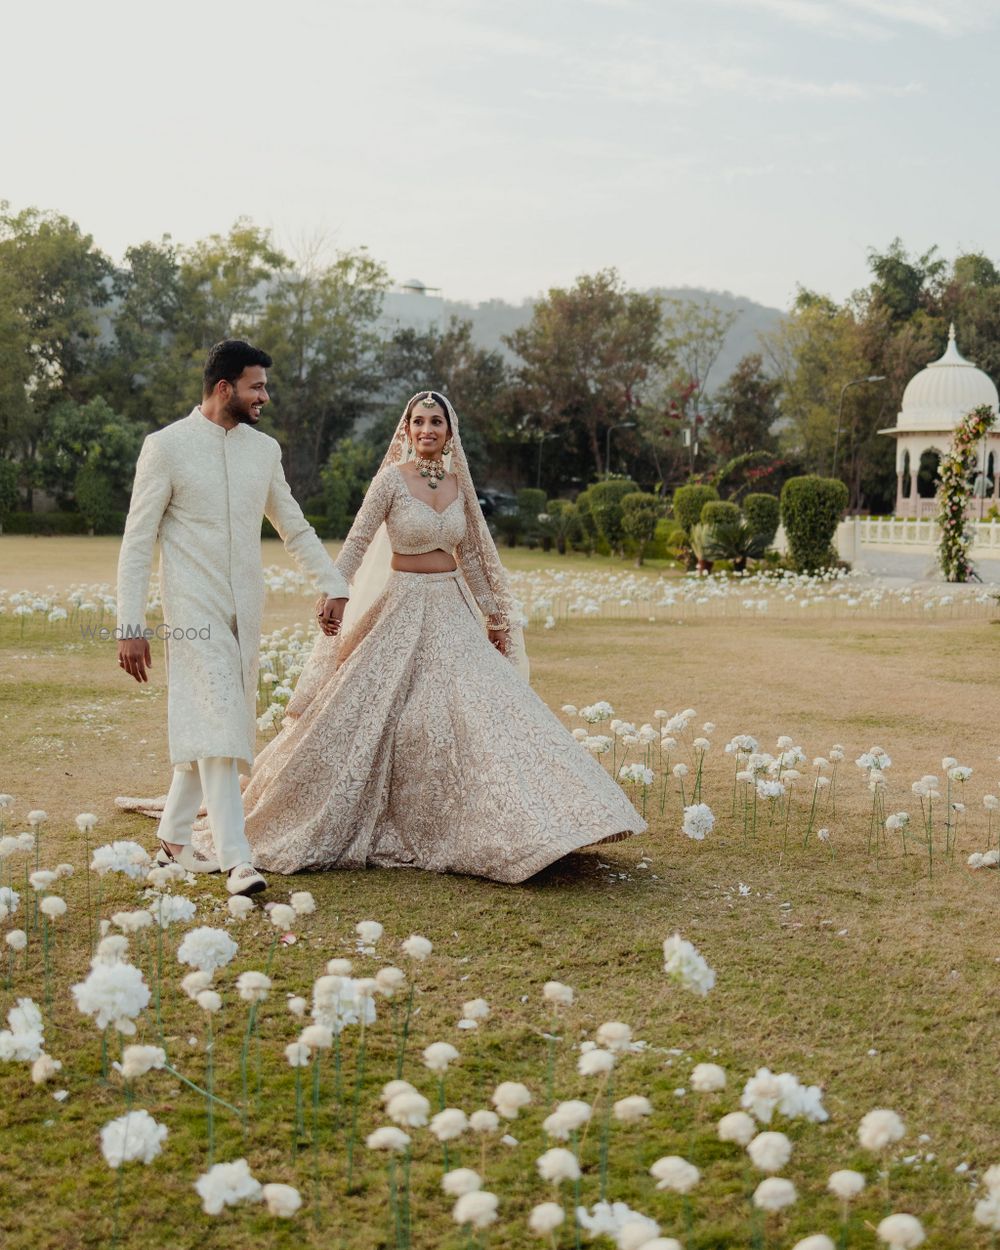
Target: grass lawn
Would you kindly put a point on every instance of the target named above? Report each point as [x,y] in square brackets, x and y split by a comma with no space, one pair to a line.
[858,973]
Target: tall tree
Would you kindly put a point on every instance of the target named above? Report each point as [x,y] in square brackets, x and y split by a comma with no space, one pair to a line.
[318,321]
[746,409]
[585,358]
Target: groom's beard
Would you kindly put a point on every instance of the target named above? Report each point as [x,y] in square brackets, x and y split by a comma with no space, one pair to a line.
[239,410]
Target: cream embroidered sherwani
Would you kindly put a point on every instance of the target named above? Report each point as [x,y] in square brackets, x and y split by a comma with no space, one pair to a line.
[202,491]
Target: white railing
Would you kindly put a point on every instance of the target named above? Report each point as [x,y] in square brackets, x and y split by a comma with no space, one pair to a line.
[907,531]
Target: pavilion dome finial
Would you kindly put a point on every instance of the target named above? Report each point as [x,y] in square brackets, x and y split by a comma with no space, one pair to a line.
[940,395]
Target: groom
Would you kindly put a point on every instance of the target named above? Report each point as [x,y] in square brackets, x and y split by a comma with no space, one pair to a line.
[202,486]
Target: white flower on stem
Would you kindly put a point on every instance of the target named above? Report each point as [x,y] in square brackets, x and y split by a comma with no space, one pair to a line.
[253,987]
[595,1062]
[227,1185]
[44,1069]
[708,1078]
[389,981]
[172,909]
[674,1173]
[770,1151]
[632,1109]
[949,761]
[240,906]
[298,1055]
[476,1009]
[209,1001]
[991,802]
[128,858]
[438,1055]
[698,821]
[479,1209]
[339,967]
[880,1128]
[959,773]
[113,994]
[24,1040]
[636,773]
[133,1137]
[388,1138]
[138,1060]
[845,1184]
[761,1094]
[316,1037]
[636,1232]
[545,1218]
[42,879]
[484,1121]
[770,789]
[297,1005]
[112,949]
[417,947]
[558,1165]
[409,1108]
[568,1118]
[901,1232]
[987,1211]
[580,735]
[615,1035]
[391,1088]
[302,903]
[281,1200]
[558,994]
[774,1193]
[460,1181]
[37,817]
[282,916]
[369,931]
[449,1124]
[195,982]
[509,1097]
[568,709]
[818,1241]
[206,949]
[684,964]
[680,770]
[9,900]
[736,1126]
[132,921]
[53,906]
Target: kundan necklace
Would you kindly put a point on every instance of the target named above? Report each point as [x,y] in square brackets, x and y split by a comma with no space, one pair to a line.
[432,471]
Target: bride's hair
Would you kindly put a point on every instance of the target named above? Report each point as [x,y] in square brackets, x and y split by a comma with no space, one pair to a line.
[440,400]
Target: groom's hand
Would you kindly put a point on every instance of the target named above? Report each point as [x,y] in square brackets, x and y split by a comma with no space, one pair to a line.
[134,657]
[331,615]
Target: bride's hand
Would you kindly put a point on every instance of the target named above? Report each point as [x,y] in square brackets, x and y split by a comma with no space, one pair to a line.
[500,638]
[330,614]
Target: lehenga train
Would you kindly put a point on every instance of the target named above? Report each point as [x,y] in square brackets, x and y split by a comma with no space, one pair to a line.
[425,748]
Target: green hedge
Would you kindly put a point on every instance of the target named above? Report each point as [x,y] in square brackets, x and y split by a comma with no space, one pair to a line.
[720,512]
[688,502]
[811,508]
[762,512]
[53,523]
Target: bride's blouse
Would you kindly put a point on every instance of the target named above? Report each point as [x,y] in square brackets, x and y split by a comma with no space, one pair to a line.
[414,528]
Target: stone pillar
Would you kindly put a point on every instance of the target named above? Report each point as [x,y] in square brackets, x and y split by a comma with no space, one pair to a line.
[899,494]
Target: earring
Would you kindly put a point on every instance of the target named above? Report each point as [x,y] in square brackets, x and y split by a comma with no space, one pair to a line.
[409,445]
[446,449]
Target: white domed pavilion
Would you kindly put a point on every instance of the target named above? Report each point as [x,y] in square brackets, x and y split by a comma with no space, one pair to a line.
[934,403]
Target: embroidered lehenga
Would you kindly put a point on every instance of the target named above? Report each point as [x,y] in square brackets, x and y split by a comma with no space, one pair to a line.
[410,740]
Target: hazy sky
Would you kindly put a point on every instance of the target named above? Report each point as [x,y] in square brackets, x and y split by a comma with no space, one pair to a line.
[497,149]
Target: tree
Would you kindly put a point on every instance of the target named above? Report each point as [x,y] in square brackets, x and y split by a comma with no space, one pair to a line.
[585,358]
[640,513]
[904,284]
[319,324]
[344,480]
[8,490]
[605,500]
[746,409]
[91,436]
[53,285]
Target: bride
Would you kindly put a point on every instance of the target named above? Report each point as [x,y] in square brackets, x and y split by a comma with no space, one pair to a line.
[413,738]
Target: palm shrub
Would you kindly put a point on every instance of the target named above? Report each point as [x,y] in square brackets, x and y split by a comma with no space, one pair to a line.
[734,539]
[606,508]
[763,513]
[563,522]
[688,502]
[640,513]
[811,508]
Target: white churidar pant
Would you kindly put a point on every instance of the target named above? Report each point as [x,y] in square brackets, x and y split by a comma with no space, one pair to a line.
[216,784]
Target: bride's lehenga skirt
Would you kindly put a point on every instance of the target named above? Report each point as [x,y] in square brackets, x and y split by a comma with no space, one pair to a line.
[426,749]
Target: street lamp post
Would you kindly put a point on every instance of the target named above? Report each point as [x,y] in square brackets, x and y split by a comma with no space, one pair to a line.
[873,377]
[622,425]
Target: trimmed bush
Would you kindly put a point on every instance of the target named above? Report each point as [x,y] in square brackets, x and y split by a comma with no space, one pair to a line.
[586,525]
[762,513]
[811,508]
[640,514]
[530,505]
[94,498]
[605,500]
[719,512]
[688,502]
